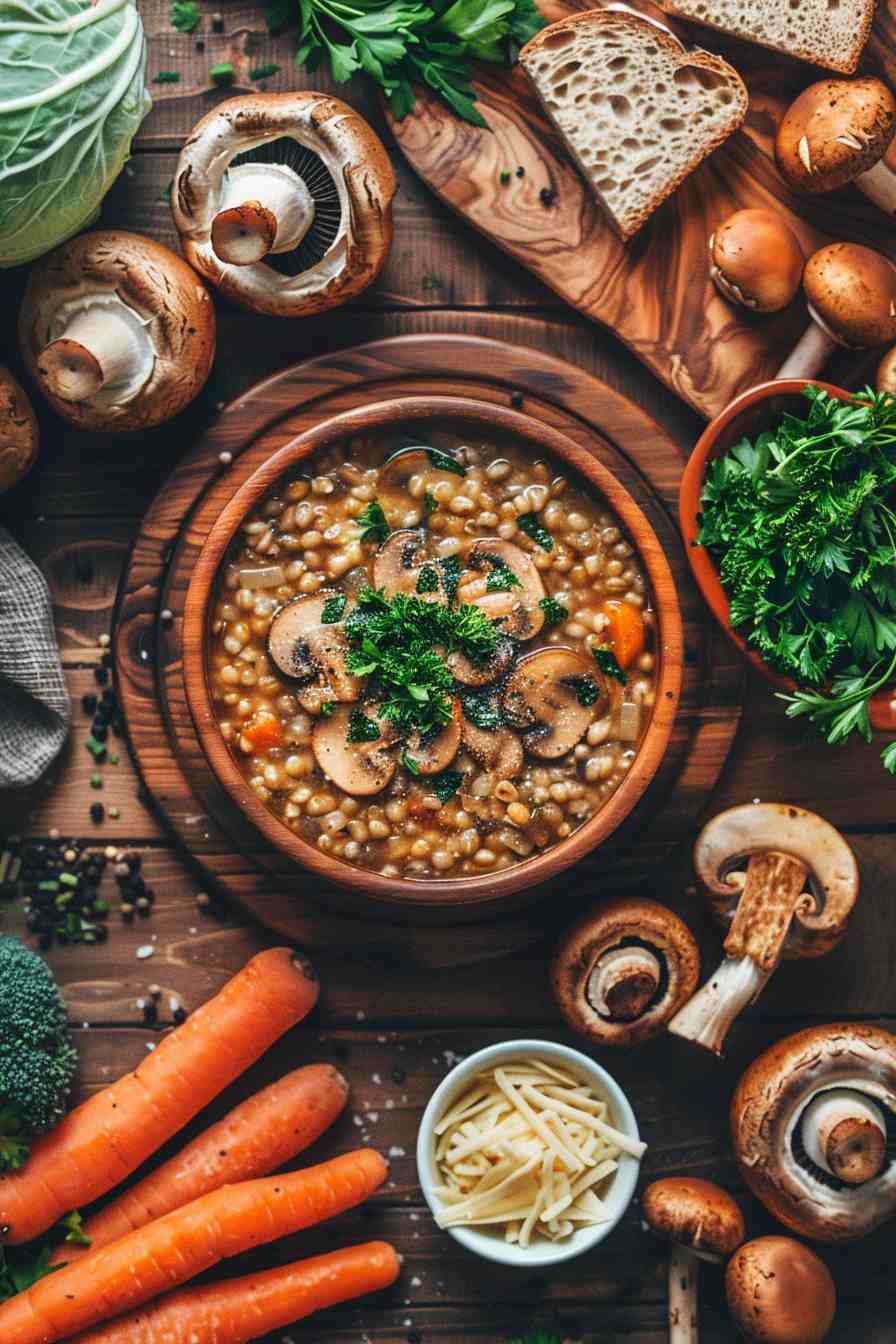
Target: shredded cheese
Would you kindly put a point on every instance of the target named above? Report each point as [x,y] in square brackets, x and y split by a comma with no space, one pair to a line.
[527,1147]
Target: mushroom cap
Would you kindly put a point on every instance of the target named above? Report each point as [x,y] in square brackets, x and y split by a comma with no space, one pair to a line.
[303,648]
[499,750]
[162,291]
[361,171]
[780,1292]
[851,292]
[766,1111]
[540,696]
[360,768]
[696,1214]
[886,373]
[518,608]
[819,921]
[435,750]
[756,260]
[18,431]
[397,563]
[834,131]
[637,921]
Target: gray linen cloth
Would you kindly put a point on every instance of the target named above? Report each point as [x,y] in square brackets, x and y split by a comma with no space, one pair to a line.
[35,711]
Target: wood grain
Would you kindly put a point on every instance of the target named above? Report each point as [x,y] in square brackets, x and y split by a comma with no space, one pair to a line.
[654,292]
[177,775]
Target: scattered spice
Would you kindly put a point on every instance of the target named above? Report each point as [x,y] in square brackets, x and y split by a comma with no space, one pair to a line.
[547,196]
[521,172]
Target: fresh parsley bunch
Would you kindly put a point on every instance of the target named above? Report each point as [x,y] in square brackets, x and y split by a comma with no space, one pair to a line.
[399,43]
[803,528]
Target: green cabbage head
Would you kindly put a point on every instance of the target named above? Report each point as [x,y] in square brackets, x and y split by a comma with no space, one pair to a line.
[71,98]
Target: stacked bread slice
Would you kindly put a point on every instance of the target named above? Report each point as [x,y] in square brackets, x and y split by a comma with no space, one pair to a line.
[831,33]
[637,110]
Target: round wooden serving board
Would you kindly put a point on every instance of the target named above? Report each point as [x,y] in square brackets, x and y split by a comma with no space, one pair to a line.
[230,854]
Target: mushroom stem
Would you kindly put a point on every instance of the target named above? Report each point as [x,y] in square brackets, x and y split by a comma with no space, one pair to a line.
[810,353]
[623,982]
[708,1017]
[99,347]
[264,208]
[683,1274]
[845,1133]
[879,185]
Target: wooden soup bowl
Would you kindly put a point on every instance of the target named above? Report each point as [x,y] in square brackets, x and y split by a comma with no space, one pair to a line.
[746,416]
[462,414]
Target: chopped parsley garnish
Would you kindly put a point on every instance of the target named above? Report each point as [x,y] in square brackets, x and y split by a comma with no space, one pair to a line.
[445,462]
[446,785]
[430,503]
[528,523]
[410,764]
[481,709]
[451,571]
[373,523]
[501,579]
[554,611]
[394,641]
[327,708]
[428,580]
[185,15]
[361,728]
[803,527]
[167,77]
[586,689]
[333,609]
[608,663]
[222,73]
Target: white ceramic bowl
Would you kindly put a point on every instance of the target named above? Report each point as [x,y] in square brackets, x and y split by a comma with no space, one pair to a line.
[617,1196]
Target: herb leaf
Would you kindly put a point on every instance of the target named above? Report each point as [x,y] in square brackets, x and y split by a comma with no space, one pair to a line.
[608,663]
[481,709]
[410,764]
[374,526]
[167,77]
[428,580]
[430,503]
[327,708]
[361,728]
[501,579]
[185,15]
[264,71]
[451,572]
[554,611]
[445,462]
[528,523]
[586,689]
[446,785]
[222,73]
[333,609]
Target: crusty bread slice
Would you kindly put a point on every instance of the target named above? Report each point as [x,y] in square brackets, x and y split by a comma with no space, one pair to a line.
[636,109]
[831,33]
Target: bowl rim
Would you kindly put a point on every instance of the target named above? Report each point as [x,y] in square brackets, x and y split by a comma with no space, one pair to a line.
[443,892]
[705,450]
[623,1183]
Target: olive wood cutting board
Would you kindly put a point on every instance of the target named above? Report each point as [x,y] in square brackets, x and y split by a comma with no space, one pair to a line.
[654,292]
[232,857]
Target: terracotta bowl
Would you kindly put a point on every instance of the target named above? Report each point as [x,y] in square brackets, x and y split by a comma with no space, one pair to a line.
[478,416]
[746,416]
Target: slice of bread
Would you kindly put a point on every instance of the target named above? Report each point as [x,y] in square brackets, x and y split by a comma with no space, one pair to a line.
[637,110]
[831,33]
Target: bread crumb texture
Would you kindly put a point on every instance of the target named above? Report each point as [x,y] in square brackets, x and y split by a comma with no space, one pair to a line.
[830,33]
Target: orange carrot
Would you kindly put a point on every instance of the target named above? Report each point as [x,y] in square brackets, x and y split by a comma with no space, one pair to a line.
[625,630]
[256,1137]
[263,732]
[243,1309]
[174,1249]
[107,1137]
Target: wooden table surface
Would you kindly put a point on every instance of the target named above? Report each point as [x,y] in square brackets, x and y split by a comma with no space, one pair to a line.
[394,1031]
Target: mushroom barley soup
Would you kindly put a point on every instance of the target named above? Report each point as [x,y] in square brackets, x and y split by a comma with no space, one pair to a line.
[432,661]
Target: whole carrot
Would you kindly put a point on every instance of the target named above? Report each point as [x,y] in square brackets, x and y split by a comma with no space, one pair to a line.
[244,1309]
[174,1249]
[257,1137]
[107,1137]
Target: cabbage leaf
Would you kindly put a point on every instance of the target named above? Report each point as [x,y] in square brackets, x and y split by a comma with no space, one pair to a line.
[72,95]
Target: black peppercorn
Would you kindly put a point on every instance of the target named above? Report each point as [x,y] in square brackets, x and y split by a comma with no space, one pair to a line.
[97,813]
[88,703]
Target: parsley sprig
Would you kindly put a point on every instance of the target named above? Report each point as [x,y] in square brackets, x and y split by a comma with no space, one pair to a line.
[802,525]
[401,642]
[400,43]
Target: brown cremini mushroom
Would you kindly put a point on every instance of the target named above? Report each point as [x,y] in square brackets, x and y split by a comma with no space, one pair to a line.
[623,970]
[809,1122]
[18,431]
[549,696]
[793,900]
[503,582]
[434,750]
[838,131]
[755,260]
[851,296]
[886,373]
[779,1292]
[118,332]
[284,202]
[398,563]
[307,650]
[359,768]
[702,1222]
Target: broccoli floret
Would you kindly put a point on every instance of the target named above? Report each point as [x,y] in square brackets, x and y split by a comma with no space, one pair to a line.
[37,1060]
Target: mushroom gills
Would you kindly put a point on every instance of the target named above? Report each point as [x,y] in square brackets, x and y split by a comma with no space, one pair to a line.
[624,982]
[844,1133]
[98,348]
[326,223]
